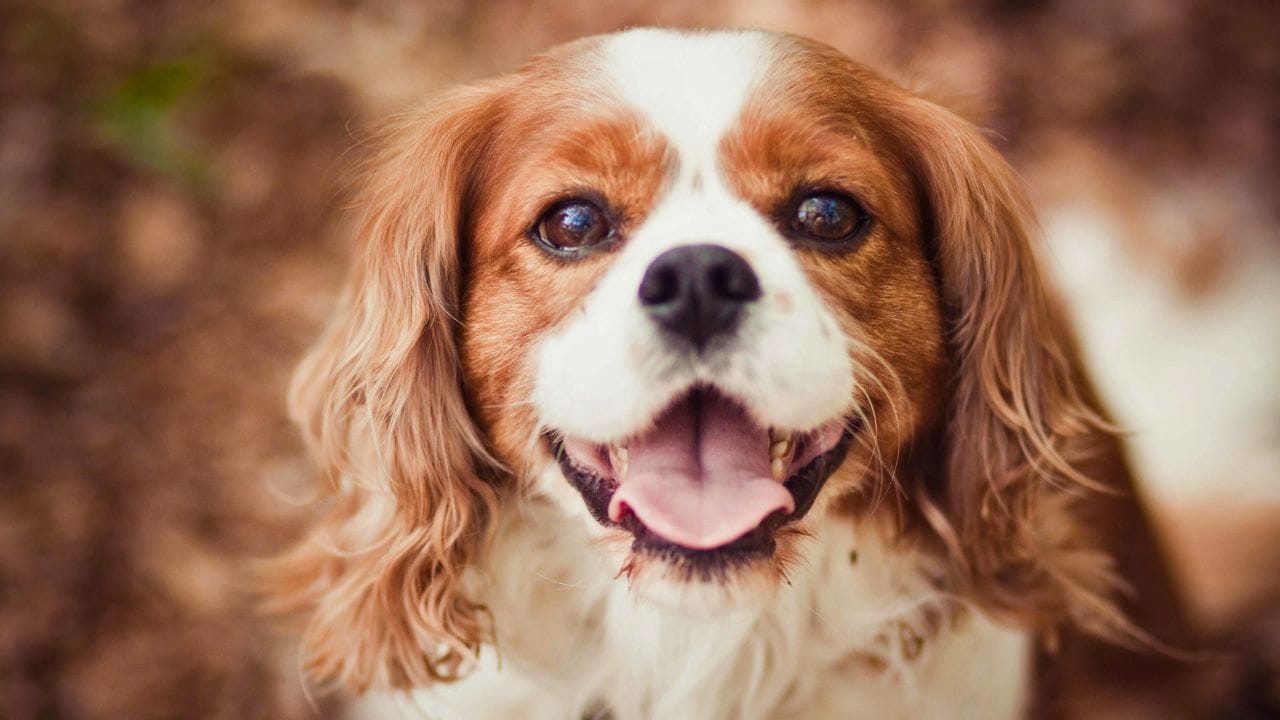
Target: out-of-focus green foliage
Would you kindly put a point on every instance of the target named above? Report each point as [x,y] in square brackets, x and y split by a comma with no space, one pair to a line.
[141,115]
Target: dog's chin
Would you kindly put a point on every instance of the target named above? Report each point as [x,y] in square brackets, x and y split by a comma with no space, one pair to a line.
[707,591]
[703,522]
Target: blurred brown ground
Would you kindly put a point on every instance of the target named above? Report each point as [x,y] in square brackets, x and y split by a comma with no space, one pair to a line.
[171,237]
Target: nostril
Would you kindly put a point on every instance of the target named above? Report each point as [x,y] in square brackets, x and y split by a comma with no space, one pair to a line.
[660,285]
[734,280]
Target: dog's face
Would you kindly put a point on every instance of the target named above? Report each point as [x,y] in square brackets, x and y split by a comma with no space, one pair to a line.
[701,291]
[701,287]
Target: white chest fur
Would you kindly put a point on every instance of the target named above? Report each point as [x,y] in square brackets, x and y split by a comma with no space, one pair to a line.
[858,633]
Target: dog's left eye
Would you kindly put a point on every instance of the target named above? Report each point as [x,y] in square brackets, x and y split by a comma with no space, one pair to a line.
[573,225]
[829,217]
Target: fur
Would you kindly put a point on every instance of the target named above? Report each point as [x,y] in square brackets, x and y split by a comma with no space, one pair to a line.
[941,564]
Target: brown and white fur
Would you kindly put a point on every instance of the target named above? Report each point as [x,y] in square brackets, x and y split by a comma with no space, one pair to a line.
[978,552]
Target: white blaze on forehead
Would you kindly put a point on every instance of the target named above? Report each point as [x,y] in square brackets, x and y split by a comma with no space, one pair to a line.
[691,85]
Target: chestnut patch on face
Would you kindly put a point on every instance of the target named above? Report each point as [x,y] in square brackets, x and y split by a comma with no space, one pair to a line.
[811,160]
[543,231]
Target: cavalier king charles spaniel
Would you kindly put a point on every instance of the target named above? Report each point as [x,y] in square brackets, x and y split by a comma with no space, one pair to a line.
[711,375]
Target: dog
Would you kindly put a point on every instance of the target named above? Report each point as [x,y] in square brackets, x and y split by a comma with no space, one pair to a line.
[711,375]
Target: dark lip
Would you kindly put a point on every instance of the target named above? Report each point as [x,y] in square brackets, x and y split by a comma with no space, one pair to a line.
[761,542]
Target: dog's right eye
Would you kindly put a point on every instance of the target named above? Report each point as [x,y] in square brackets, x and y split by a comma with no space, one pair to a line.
[573,225]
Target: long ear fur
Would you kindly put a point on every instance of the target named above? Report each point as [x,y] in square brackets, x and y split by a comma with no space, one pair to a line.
[380,402]
[1023,431]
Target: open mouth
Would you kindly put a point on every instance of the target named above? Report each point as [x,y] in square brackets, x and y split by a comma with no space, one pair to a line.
[705,481]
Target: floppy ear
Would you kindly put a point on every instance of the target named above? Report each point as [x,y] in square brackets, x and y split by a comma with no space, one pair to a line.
[380,402]
[1025,441]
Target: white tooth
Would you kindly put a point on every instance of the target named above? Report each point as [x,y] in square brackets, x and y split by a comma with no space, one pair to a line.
[618,456]
[779,469]
[779,449]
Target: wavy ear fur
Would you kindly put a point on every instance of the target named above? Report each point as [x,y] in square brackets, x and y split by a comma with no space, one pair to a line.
[1023,433]
[1036,505]
[380,402]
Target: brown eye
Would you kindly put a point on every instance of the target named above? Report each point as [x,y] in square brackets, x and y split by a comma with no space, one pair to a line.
[829,217]
[573,225]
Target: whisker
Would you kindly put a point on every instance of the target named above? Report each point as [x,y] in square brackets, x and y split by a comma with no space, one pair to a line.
[876,371]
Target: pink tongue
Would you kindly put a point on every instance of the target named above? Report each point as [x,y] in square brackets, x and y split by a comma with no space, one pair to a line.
[701,477]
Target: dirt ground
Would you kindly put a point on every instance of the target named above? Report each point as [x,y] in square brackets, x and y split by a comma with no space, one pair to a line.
[172,235]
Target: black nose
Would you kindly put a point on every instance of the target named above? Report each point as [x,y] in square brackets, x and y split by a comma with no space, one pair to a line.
[697,291]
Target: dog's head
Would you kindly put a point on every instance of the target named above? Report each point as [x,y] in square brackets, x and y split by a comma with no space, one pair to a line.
[701,291]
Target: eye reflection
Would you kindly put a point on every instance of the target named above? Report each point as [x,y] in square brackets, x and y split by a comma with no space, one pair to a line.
[829,217]
[573,225]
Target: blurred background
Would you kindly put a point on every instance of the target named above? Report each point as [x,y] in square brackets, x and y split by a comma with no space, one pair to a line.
[172,236]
